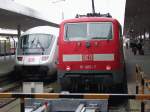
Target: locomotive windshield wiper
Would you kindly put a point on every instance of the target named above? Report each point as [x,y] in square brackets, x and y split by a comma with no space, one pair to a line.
[95,38]
[98,38]
[39,43]
[33,41]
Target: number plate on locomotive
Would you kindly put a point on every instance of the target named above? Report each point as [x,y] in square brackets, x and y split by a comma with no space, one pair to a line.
[87,57]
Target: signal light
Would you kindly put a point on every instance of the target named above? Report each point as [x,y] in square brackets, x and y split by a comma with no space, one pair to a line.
[19,58]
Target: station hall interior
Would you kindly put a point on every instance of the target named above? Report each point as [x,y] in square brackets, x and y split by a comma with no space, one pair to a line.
[19,18]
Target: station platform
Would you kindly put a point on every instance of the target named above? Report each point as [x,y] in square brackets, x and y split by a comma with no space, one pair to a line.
[147,47]
[131,60]
[6,64]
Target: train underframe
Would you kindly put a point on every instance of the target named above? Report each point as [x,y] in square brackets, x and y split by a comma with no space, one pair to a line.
[35,72]
[89,81]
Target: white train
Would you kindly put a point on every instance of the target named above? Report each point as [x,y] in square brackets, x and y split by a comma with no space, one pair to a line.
[36,53]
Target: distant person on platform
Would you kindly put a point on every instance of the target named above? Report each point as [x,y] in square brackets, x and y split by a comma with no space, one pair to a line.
[134,46]
[140,47]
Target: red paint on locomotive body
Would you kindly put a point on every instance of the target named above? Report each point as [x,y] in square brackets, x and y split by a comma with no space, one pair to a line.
[90,46]
[92,57]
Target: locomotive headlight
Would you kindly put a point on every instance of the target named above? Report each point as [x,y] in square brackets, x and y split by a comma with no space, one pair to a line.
[68,68]
[44,58]
[19,58]
[108,67]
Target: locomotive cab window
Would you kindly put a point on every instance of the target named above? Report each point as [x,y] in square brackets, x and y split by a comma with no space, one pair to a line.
[89,30]
[34,43]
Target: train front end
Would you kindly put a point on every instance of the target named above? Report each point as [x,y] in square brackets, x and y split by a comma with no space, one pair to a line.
[90,53]
[36,53]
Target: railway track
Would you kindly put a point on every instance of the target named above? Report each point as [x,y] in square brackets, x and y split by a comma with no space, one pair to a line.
[114,106]
[8,82]
[11,84]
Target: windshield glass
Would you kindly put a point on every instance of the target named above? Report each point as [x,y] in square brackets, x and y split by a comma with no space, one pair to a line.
[85,31]
[35,43]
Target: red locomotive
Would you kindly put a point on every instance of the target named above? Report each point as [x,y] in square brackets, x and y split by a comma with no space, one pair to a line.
[90,53]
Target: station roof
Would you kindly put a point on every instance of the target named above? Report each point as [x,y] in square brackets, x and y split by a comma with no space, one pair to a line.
[137,17]
[13,14]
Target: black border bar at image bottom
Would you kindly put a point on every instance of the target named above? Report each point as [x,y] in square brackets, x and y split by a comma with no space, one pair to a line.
[76,96]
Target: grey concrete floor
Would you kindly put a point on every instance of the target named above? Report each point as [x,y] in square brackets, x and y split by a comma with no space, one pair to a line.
[6,64]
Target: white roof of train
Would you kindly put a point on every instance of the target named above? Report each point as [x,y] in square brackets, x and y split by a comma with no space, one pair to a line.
[43,30]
